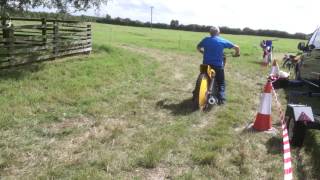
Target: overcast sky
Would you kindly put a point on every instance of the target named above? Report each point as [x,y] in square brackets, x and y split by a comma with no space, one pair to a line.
[286,15]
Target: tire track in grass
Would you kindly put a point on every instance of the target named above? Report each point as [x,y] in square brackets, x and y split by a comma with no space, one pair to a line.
[164,149]
[220,150]
[164,139]
[211,136]
[217,147]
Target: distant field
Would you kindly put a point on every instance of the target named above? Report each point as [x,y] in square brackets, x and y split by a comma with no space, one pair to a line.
[181,40]
[124,112]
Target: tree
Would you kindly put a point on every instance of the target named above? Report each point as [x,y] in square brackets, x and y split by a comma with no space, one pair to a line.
[248,31]
[174,24]
[108,17]
[61,5]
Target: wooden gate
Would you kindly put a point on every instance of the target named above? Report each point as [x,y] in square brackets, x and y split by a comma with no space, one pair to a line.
[30,40]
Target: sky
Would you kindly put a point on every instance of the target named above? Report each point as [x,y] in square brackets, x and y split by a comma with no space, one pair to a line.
[284,15]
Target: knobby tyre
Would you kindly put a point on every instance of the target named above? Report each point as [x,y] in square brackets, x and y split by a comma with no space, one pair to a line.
[200,94]
[296,132]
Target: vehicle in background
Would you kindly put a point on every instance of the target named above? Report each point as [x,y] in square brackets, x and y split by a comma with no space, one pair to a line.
[301,117]
[308,69]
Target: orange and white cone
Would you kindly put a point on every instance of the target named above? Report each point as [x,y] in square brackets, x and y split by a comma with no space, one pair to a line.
[274,69]
[263,118]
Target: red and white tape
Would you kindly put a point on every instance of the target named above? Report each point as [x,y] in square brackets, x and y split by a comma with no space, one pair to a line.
[286,144]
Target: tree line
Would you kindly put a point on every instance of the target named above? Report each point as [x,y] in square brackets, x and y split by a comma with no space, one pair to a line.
[174,24]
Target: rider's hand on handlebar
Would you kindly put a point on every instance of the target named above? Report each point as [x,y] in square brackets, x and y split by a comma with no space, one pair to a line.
[236,55]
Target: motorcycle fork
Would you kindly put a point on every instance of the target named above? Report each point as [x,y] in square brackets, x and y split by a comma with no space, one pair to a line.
[211,86]
[210,96]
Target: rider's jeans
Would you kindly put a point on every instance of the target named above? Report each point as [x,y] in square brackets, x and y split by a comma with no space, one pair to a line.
[220,81]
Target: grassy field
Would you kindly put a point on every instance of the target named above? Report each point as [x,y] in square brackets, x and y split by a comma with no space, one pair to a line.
[125,112]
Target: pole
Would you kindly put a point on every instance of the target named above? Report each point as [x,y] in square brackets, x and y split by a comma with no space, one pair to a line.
[44,31]
[151,16]
[179,40]
[55,39]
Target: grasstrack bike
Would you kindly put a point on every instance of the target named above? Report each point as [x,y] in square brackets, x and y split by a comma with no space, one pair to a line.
[290,61]
[205,93]
[206,90]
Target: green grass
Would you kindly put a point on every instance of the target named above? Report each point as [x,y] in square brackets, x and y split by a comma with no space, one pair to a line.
[125,112]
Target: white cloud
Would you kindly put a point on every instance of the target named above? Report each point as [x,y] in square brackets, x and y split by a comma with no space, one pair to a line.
[286,15]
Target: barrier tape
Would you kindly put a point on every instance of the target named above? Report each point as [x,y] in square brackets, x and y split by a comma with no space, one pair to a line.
[286,144]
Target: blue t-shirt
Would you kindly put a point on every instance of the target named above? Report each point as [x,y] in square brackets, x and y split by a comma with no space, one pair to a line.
[213,50]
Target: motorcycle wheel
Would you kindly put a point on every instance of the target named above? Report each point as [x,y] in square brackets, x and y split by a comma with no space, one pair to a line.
[202,86]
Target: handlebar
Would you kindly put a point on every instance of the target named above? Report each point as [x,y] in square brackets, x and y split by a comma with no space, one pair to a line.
[231,55]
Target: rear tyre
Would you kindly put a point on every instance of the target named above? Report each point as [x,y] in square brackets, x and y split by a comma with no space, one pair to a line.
[296,132]
[200,93]
[286,64]
[297,71]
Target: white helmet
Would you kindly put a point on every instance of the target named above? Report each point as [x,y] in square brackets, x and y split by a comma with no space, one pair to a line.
[214,30]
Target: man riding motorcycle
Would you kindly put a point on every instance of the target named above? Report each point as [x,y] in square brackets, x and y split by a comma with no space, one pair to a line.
[212,49]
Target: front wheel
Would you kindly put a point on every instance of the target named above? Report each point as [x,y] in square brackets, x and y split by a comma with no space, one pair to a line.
[200,94]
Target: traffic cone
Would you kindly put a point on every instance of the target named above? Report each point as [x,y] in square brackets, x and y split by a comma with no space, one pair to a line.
[263,118]
[274,69]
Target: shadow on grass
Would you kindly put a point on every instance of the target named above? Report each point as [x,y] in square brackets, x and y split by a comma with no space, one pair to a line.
[185,107]
[312,147]
[274,145]
[261,63]
[302,172]
[101,48]
[20,71]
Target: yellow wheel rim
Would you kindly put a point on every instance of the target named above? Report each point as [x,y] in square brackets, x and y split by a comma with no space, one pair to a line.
[203,93]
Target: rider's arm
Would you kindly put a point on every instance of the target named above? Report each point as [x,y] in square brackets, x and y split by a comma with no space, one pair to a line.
[200,46]
[200,49]
[229,45]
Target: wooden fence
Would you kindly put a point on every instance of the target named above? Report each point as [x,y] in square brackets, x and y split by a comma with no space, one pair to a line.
[31,40]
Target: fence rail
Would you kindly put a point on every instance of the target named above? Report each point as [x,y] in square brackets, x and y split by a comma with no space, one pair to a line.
[44,39]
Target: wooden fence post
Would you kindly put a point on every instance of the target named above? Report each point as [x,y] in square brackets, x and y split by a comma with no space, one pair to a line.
[8,36]
[44,31]
[11,44]
[89,37]
[55,39]
[4,30]
[3,21]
